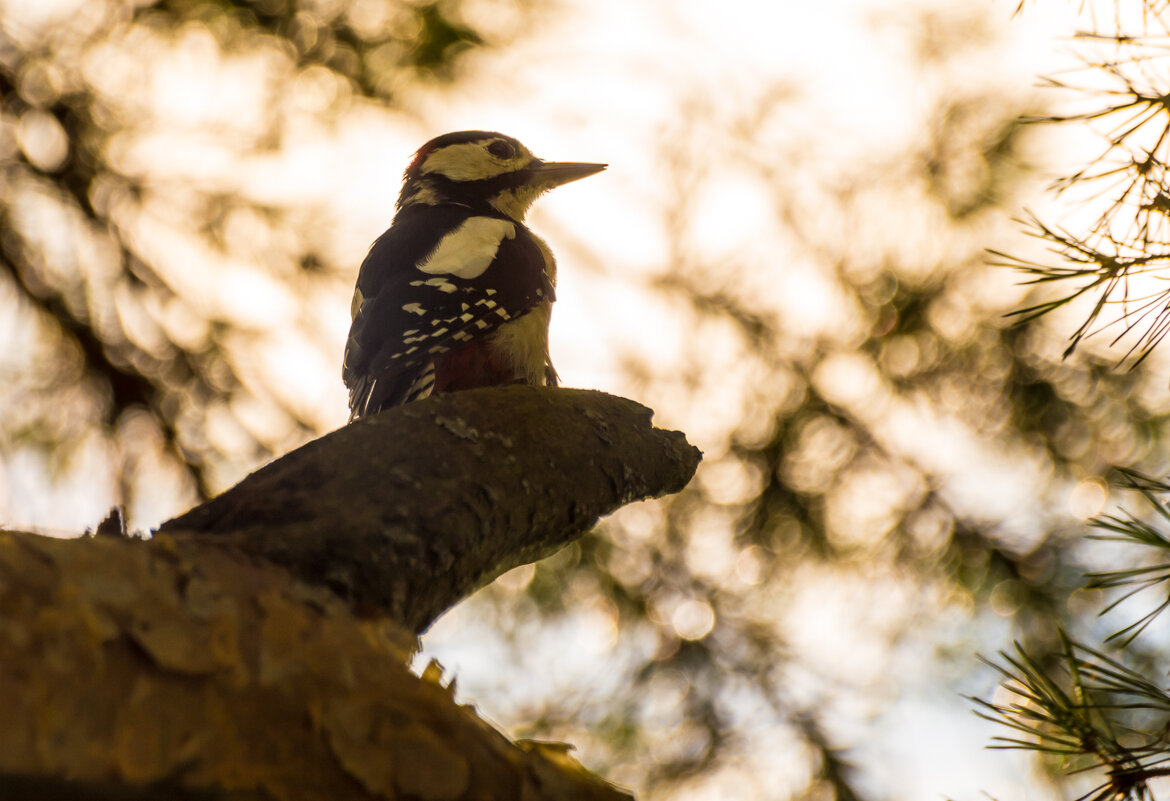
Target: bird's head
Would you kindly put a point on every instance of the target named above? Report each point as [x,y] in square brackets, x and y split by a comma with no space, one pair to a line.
[484,170]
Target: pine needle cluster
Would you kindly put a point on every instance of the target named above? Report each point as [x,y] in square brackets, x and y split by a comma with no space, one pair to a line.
[1120,91]
[1082,706]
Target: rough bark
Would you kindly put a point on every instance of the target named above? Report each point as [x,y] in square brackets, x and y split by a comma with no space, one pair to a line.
[223,659]
[409,511]
[133,670]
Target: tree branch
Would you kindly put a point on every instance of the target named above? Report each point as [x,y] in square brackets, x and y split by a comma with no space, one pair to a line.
[177,667]
[409,511]
[134,670]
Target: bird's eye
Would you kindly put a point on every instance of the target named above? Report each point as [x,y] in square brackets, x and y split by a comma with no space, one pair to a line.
[501,149]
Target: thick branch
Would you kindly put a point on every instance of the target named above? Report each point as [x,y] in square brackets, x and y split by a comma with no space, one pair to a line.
[174,668]
[409,511]
[137,670]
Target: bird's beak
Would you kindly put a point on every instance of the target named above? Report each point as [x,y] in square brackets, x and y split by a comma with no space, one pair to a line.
[556,173]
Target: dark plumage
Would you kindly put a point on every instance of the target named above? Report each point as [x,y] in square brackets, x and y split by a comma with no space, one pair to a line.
[458,291]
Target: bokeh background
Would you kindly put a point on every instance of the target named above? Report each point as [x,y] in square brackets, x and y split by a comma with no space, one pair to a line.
[786,260]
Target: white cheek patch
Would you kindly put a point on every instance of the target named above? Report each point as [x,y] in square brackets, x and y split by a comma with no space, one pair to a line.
[516,202]
[466,162]
[470,249]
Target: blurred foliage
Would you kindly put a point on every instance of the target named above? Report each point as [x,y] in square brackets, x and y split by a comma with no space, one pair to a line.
[865,461]
[372,44]
[113,340]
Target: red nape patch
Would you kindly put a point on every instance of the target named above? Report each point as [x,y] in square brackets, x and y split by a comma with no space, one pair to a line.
[473,365]
[419,157]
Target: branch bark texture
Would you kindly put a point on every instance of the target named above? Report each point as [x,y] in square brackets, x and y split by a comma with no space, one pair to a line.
[407,512]
[134,670]
[223,659]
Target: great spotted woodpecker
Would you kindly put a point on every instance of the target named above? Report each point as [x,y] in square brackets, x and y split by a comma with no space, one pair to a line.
[457,293]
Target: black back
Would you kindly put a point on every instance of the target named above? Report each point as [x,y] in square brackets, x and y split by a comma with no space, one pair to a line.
[391,346]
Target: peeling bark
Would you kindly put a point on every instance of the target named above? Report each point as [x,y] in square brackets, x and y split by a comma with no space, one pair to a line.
[223,659]
[134,669]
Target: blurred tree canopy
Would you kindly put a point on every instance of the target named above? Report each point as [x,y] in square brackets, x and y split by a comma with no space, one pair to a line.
[116,261]
[894,477]
[889,460]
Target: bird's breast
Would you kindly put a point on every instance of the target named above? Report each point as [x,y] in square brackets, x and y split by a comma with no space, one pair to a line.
[475,364]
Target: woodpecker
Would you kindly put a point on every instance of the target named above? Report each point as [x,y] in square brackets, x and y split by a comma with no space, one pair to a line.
[458,292]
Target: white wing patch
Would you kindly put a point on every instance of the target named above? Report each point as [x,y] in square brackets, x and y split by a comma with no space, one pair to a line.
[442,284]
[470,249]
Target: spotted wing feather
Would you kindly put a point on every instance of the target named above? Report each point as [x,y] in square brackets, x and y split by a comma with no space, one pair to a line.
[407,317]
